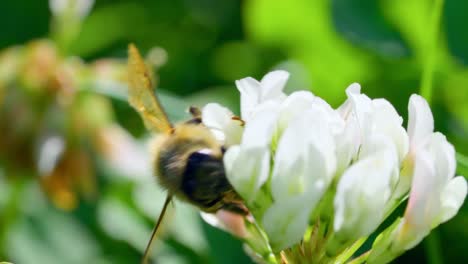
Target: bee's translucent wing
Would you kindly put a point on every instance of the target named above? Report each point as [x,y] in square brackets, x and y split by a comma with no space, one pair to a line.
[141,94]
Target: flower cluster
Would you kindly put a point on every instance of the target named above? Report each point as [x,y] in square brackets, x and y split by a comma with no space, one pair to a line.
[318,181]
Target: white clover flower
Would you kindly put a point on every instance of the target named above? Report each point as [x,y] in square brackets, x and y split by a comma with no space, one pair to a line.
[302,166]
[80,8]
[435,195]
[376,142]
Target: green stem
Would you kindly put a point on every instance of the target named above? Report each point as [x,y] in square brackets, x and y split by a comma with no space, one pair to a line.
[428,70]
[462,160]
[348,253]
[433,249]
[360,259]
[432,243]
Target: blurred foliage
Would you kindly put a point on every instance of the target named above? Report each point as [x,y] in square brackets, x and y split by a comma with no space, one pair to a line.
[75,180]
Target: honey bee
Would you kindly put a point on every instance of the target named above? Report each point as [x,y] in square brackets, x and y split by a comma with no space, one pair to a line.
[188,160]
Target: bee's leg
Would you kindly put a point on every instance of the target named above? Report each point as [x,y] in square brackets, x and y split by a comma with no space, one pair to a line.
[236,208]
[195,111]
[196,114]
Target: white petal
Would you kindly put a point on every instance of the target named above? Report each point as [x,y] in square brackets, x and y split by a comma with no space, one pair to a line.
[220,120]
[247,169]
[354,88]
[345,109]
[420,121]
[444,157]
[286,221]
[215,116]
[347,144]
[362,109]
[295,104]
[260,129]
[305,158]
[388,122]
[273,84]
[361,195]
[453,197]
[250,91]
[229,159]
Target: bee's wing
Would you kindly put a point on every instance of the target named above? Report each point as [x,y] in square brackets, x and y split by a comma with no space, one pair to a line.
[141,94]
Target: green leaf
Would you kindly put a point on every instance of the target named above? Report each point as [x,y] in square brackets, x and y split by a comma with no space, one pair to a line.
[363,24]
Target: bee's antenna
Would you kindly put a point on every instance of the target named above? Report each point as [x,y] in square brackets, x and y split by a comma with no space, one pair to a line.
[155,230]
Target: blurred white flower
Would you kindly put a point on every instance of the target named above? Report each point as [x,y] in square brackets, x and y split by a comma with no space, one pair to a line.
[80,8]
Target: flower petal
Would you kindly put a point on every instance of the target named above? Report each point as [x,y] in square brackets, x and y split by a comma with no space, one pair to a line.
[362,193]
[444,157]
[420,120]
[251,91]
[388,122]
[453,197]
[345,109]
[305,158]
[248,165]
[286,221]
[247,169]
[273,84]
[423,202]
[220,120]
[227,221]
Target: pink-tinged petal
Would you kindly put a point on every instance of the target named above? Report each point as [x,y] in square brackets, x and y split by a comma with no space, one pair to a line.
[453,197]
[420,120]
[227,221]
[423,202]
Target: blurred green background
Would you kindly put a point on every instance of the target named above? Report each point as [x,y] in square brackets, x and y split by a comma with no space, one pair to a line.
[75,186]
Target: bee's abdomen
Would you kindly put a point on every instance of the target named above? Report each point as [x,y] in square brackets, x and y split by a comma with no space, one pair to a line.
[204,182]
